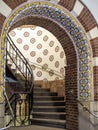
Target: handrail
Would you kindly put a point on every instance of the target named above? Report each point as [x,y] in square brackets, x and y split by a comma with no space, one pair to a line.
[17,99]
[84,107]
[26,70]
[44,69]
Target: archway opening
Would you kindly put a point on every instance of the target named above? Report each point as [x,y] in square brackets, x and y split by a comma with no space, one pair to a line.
[71,57]
[70,39]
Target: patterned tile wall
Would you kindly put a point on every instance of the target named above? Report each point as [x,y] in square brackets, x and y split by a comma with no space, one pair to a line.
[42,50]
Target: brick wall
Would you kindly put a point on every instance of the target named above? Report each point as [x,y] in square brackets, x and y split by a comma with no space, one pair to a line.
[69,4]
[94,44]
[87,19]
[2,18]
[71,103]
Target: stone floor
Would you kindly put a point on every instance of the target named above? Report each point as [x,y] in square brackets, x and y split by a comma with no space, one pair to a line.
[34,127]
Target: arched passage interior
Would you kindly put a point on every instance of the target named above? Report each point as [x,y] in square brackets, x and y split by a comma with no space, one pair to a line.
[71,37]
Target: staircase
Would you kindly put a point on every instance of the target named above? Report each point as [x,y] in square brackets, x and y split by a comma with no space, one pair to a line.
[18,65]
[48,109]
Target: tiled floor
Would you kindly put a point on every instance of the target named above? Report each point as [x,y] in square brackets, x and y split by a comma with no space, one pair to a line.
[34,127]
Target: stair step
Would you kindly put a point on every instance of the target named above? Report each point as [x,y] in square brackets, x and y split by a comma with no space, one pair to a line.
[33,127]
[37,86]
[46,98]
[49,115]
[49,103]
[45,94]
[49,108]
[41,89]
[48,122]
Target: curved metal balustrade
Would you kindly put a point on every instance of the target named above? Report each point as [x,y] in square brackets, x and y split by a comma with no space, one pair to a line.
[21,99]
[21,65]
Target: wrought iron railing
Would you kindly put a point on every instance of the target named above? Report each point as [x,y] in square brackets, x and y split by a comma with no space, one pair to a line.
[21,102]
[18,107]
[19,62]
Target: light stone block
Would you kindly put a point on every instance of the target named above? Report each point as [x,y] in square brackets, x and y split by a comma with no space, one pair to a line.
[95,61]
[55,1]
[4,9]
[77,8]
[93,33]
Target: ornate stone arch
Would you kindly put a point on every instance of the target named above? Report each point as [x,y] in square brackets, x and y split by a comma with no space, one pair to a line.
[72,27]
[73,38]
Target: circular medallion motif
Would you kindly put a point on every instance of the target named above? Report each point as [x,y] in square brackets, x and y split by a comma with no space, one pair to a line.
[32,40]
[19,40]
[45,38]
[39,60]
[25,47]
[62,54]
[33,67]
[32,53]
[39,46]
[51,58]
[45,52]
[51,43]
[62,70]
[39,73]
[39,33]
[57,64]
[26,34]
[45,66]
[57,48]
[51,72]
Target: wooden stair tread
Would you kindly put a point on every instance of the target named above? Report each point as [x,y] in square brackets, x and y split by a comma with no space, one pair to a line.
[50,120]
[48,106]
[49,113]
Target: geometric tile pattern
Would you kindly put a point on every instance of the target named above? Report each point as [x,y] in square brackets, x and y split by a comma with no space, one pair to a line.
[35,45]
